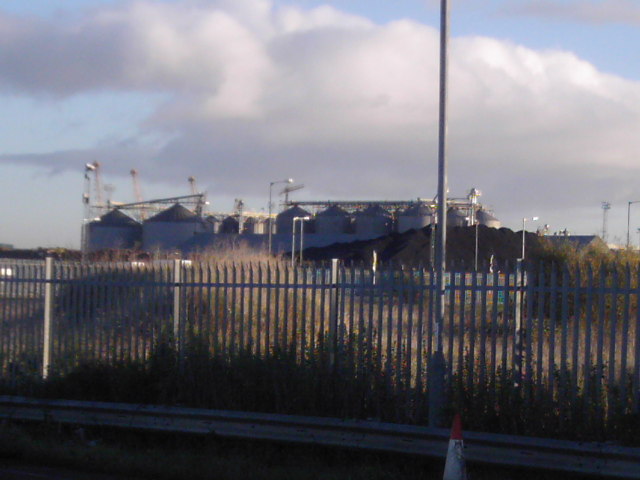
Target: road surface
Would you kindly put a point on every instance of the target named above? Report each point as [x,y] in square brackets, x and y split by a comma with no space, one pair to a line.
[11,471]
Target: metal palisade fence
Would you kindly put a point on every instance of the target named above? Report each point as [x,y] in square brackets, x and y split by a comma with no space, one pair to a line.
[550,345]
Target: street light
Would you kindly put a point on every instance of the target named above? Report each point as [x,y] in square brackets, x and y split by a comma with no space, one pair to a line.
[293,237]
[629,219]
[524,220]
[271,184]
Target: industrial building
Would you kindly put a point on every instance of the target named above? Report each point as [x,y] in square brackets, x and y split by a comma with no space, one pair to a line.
[182,224]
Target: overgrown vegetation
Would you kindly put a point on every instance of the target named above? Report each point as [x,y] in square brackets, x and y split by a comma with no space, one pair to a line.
[594,256]
[281,383]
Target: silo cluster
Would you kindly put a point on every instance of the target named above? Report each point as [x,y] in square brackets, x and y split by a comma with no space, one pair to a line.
[180,228]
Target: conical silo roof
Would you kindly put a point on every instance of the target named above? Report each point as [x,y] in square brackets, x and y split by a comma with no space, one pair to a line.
[116,218]
[417,210]
[484,216]
[333,211]
[294,211]
[177,213]
[374,211]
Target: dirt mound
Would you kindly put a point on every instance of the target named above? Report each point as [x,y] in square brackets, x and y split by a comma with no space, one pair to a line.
[415,247]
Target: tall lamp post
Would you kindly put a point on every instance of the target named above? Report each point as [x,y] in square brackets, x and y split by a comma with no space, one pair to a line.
[293,237]
[524,220]
[437,367]
[271,184]
[629,220]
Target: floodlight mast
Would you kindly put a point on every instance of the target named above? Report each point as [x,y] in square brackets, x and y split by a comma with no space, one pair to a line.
[629,220]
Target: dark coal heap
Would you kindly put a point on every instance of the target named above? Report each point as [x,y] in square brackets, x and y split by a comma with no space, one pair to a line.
[415,247]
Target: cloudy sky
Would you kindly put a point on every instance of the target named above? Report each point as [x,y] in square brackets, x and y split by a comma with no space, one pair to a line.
[340,95]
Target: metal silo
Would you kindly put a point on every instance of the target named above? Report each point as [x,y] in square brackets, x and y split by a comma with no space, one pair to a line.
[284,220]
[170,228]
[333,220]
[254,225]
[230,224]
[488,219]
[114,230]
[415,217]
[457,218]
[212,223]
[372,222]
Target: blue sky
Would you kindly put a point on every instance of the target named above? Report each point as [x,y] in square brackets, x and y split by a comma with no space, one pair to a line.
[341,95]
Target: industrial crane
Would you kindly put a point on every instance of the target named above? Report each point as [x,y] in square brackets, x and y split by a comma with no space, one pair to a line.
[288,189]
[201,201]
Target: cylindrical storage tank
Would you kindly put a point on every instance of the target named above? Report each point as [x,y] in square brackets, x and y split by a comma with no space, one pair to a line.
[456,218]
[230,224]
[170,228]
[114,230]
[373,221]
[284,220]
[212,223]
[254,225]
[415,217]
[332,220]
[485,218]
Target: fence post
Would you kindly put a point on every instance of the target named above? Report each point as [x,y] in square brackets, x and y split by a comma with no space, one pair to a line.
[177,290]
[48,317]
[334,309]
[518,313]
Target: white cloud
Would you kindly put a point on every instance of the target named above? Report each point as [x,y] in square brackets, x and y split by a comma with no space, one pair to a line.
[253,92]
[590,11]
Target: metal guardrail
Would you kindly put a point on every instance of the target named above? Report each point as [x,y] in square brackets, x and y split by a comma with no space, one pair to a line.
[585,458]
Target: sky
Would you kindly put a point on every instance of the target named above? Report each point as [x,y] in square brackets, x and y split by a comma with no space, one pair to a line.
[341,95]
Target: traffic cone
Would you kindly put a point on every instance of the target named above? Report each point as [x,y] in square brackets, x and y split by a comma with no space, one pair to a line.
[454,467]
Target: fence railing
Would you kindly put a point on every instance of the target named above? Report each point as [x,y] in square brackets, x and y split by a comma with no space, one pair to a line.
[565,341]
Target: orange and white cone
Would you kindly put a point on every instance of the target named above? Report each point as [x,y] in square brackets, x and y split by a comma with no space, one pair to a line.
[454,467]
